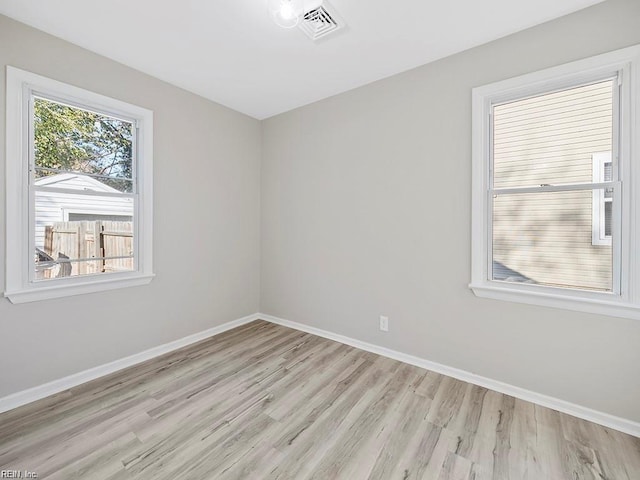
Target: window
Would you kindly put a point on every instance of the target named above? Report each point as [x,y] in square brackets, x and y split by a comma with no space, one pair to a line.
[553,182]
[78,190]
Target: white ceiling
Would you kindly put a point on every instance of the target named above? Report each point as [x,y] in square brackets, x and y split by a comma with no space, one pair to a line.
[231,52]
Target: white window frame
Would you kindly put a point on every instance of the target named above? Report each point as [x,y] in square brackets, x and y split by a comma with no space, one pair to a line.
[20,286]
[598,216]
[624,301]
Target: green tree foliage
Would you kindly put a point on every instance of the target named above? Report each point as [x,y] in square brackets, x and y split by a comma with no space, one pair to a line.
[71,139]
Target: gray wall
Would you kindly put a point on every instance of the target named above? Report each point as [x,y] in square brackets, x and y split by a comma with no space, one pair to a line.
[206,225]
[366,210]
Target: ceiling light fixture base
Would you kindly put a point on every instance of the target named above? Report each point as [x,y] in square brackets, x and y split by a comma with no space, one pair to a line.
[286,13]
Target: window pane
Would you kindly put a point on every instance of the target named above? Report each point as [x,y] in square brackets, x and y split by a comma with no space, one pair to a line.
[607,218]
[546,238]
[550,138]
[608,172]
[71,230]
[72,139]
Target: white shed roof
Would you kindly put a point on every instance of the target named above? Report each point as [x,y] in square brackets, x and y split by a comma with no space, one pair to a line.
[75,181]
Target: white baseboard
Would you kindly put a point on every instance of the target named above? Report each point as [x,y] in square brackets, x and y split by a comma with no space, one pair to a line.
[41,391]
[604,419]
[36,393]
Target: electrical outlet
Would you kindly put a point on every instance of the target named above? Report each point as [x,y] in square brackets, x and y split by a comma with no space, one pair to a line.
[384,323]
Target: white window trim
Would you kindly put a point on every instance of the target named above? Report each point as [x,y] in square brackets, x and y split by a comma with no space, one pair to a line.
[598,235]
[18,287]
[626,63]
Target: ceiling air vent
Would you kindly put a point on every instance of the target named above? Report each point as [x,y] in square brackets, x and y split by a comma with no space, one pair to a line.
[320,22]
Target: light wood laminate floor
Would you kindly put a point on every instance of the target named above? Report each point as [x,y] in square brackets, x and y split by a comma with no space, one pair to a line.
[266,402]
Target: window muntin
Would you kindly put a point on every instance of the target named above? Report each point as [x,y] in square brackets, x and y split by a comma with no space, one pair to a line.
[542,185]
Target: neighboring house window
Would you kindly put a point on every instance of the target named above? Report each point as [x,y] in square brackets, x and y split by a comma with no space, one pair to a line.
[555,193]
[602,200]
[79,190]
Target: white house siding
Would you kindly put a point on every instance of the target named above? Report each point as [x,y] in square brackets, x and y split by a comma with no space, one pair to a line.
[551,139]
[52,207]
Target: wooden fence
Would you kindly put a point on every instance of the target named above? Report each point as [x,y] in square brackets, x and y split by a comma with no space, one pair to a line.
[75,244]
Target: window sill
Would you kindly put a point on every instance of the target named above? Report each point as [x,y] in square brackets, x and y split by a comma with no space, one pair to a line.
[611,308]
[57,291]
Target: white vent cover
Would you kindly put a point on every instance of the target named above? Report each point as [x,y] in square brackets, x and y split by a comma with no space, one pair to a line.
[320,22]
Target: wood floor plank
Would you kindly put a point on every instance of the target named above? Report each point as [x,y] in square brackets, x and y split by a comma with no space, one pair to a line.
[429,384]
[455,467]
[522,458]
[479,445]
[102,462]
[266,402]
[501,465]
[396,434]
[447,402]
[309,437]
[338,461]
[363,442]
[430,462]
